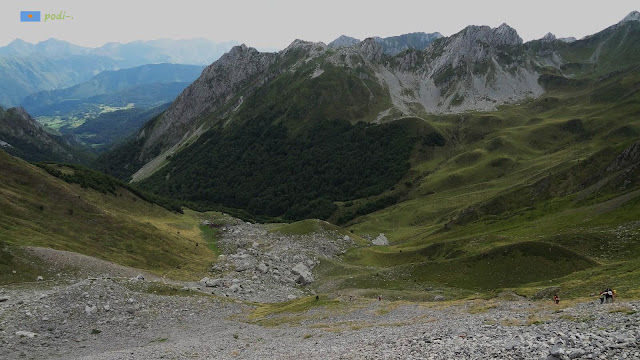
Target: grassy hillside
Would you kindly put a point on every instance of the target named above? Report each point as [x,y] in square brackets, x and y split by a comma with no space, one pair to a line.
[37,209]
[542,197]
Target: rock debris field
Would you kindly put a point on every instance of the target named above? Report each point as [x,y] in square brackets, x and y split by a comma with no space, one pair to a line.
[104,311]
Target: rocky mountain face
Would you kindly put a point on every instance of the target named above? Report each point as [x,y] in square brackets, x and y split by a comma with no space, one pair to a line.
[476,69]
[22,136]
[239,69]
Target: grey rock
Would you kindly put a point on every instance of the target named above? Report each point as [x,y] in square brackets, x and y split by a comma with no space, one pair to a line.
[381,240]
[27,334]
[299,269]
[90,309]
[262,268]
[557,350]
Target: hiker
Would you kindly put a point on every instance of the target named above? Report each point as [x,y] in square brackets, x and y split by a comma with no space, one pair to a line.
[606,295]
[556,299]
[379,297]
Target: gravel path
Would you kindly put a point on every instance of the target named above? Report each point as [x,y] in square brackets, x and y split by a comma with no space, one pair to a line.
[108,318]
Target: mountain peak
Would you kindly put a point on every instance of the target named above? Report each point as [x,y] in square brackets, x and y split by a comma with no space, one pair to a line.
[506,35]
[548,38]
[343,41]
[502,35]
[18,42]
[633,16]
[300,44]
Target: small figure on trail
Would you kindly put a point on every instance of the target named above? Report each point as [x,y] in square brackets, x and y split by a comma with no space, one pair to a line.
[556,299]
[317,297]
[379,297]
[606,295]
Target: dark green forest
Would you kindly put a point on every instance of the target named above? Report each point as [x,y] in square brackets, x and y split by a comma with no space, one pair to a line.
[261,168]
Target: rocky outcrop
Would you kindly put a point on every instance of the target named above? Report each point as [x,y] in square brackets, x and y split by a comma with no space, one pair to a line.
[370,49]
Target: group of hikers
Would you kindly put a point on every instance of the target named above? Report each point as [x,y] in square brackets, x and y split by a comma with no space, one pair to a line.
[605,296]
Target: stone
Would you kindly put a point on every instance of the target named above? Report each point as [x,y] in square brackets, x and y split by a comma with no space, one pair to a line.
[346,238]
[291,297]
[39,278]
[90,309]
[299,269]
[235,288]
[439,298]
[27,334]
[4,298]
[381,240]
[557,350]
[204,280]
[262,268]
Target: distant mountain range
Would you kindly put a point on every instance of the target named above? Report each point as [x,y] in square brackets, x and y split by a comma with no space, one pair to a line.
[27,68]
[152,85]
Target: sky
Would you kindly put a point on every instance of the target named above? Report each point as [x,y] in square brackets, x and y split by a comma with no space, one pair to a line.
[273,24]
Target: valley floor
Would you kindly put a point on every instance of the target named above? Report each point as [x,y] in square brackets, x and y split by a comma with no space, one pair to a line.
[81,316]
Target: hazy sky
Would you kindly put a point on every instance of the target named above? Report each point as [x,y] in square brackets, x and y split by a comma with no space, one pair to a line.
[275,23]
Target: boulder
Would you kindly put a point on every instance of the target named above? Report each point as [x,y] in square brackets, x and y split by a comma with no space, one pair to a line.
[305,278]
[262,268]
[28,334]
[90,309]
[381,240]
[299,269]
[213,283]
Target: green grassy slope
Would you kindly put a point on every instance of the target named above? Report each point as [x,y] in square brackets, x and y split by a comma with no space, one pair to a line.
[541,195]
[37,209]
